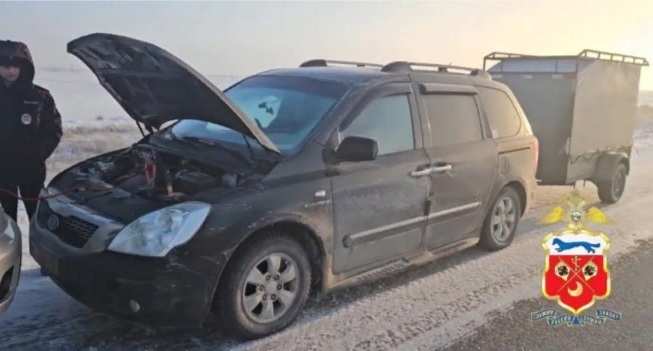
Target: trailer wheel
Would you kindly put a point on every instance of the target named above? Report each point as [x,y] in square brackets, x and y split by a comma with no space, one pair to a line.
[610,190]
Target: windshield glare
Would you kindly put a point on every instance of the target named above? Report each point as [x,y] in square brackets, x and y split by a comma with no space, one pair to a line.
[286,109]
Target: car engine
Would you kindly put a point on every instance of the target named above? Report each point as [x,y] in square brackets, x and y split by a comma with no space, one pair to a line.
[148,172]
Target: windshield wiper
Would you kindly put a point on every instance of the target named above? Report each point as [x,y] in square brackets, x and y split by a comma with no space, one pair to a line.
[198,140]
[184,140]
[211,143]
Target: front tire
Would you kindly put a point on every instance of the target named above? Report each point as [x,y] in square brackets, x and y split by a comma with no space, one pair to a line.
[610,190]
[265,287]
[501,221]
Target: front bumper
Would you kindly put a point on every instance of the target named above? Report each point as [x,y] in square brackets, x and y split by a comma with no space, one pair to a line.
[165,292]
[10,260]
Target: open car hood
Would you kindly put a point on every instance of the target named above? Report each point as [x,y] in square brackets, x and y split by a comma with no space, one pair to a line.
[154,86]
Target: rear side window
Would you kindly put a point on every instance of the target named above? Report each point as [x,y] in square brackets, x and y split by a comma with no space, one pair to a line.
[501,113]
[454,119]
[386,120]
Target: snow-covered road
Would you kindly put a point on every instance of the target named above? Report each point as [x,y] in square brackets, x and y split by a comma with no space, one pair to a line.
[422,309]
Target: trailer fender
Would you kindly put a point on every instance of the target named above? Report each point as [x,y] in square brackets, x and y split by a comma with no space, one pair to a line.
[607,163]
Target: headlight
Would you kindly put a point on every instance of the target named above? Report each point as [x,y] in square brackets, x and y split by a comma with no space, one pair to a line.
[156,233]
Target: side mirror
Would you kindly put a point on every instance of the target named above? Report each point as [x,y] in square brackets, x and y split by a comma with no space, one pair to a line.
[356,149]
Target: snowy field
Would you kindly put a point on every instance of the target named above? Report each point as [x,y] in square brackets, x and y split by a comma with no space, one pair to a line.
[646,98]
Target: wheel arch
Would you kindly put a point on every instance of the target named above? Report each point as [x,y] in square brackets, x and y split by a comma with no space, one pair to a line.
[521,191]
[604,175]
[305,234]
[607,162]
[486,241]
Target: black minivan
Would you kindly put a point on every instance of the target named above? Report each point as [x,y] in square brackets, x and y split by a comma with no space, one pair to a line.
[312,178]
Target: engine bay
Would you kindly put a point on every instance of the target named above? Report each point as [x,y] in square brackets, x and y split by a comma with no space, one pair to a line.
[148,172]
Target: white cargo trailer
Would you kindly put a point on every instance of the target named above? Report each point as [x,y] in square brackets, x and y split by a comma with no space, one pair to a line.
[582,109]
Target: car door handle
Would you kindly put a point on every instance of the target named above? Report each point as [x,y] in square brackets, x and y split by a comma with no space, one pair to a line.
[421,172]
[441,168]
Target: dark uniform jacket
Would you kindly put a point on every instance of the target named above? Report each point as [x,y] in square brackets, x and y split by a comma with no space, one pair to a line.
[30,125]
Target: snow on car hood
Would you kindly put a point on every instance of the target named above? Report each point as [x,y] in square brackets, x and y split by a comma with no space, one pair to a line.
[154,86]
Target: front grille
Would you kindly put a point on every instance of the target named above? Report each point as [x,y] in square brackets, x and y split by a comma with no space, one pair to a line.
[75,231]
[72,230]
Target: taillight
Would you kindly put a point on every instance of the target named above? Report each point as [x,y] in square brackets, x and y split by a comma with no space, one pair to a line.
[536,153]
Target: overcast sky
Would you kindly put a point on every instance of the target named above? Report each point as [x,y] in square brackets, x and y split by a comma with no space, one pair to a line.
[244,38]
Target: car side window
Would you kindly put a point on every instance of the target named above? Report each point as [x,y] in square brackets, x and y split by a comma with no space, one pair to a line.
[501,113]
[454,118]
[386,120]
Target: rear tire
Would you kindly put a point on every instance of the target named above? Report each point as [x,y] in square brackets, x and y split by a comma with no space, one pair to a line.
[264,287]
[501,221]
[611,190]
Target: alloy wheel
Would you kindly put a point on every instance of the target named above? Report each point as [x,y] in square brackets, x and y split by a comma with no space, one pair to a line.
[504,218]
[270,288]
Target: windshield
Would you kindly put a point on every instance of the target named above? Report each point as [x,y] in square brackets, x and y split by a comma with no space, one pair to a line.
[286,109]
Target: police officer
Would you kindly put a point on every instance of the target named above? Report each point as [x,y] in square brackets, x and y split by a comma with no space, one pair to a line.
[30,129]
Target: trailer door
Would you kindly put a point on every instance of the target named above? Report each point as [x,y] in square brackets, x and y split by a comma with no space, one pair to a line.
[463,162]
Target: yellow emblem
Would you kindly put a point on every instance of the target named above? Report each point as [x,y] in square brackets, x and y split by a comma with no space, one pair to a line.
[573,211]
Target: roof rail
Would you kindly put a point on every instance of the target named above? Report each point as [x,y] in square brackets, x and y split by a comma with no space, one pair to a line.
[404,66]
[611,56]
[326,63]
[587,53]
[500,55]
